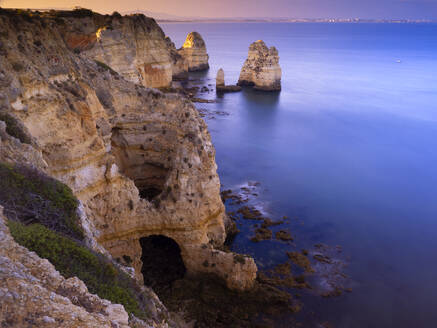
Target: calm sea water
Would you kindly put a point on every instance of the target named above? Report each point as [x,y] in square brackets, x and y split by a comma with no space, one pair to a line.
[348,147]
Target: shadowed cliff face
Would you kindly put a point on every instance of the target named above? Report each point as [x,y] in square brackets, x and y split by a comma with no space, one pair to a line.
[141,162]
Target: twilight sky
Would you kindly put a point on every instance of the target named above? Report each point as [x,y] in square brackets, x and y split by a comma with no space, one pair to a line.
[414,9]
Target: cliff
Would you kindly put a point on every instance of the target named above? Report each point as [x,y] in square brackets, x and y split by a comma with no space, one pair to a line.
[74,104]
[261,68]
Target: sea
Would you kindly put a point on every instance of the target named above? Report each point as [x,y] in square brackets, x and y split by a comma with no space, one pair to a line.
[347,152]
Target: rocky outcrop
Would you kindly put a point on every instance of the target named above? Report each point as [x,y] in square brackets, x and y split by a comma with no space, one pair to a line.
[261,68]
[220,83]
[141,162]
[194,52]
[180,64]
[220,79]
[33,293]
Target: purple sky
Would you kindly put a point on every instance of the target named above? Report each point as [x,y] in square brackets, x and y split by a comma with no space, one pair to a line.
[415,9]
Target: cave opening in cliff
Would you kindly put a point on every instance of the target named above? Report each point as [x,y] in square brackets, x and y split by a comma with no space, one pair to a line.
[149,179]
[135,162]
[162,261]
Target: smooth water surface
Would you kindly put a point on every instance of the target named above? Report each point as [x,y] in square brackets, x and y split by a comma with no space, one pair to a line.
[349,146]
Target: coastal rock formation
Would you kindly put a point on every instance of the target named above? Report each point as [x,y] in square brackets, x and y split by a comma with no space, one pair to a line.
[261,68]
[194,52]
[180,64]
[220,83]
[141,162]
[134,46]
[33,293]
[220,79]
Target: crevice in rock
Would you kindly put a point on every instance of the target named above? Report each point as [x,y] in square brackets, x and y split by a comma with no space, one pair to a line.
[162,261]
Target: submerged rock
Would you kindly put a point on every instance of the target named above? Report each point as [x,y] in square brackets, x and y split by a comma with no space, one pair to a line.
[194,52]
[261,68]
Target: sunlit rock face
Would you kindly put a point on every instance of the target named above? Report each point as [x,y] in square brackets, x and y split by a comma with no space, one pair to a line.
[261,68]
[194,52]
[134,46]
[140,161]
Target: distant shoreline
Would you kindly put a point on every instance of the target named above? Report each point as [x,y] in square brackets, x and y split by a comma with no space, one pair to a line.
[327,21]
[180,19]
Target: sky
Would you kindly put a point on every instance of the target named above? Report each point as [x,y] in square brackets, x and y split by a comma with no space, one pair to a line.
[377,9]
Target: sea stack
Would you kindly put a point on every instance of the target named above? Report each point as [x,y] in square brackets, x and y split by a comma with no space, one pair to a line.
[220,83]
[194,52]
[220,79]
[261,68]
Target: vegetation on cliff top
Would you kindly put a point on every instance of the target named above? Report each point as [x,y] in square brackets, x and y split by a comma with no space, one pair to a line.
[29,196]
[43,217]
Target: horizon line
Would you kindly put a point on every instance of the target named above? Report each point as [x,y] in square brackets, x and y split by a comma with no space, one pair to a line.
[177,18]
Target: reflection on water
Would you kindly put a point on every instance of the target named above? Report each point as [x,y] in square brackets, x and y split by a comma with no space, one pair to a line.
[347,150]
[261,99]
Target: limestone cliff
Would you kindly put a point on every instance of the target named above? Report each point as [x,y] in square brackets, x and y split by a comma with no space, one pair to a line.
[141,162]
[133,46]
[194,52]
[261,68]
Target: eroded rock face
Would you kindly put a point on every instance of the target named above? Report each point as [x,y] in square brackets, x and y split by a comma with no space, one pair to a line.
[261,68]
[33,293]
[194,52]
[180,64]
[141,162]
[134,46]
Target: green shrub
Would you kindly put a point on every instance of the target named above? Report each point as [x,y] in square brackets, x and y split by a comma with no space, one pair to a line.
[14,129]
[30,196]
[105,67]
[71,259]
